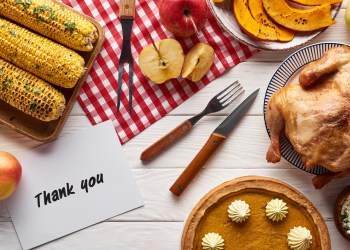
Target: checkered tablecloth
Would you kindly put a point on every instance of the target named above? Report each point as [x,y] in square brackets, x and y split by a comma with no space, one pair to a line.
[98,97]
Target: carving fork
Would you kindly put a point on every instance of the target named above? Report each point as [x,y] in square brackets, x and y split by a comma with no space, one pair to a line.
[126,15]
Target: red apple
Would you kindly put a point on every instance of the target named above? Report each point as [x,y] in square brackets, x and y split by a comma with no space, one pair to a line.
[10,174]
[183,17]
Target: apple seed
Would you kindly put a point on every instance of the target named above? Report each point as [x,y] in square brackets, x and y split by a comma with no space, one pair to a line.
[163,63]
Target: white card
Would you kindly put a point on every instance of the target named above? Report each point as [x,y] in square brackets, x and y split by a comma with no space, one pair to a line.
[53,177]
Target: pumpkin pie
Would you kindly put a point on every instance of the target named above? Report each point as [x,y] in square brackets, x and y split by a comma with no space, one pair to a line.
[258,231]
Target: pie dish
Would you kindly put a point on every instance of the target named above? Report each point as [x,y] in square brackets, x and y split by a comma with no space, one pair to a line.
[258,232]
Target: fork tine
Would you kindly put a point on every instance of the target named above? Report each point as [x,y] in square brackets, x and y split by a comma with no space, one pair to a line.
[229,92]
[225,103]
[120,81]
[221,92]
[131,74]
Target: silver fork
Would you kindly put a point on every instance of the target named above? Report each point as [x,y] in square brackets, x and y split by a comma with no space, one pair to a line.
[220,101]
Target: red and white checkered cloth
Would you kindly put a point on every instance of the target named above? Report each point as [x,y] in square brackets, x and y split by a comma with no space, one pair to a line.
[98,97]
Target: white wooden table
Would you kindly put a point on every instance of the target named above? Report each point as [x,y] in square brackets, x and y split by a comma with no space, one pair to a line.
[158,225]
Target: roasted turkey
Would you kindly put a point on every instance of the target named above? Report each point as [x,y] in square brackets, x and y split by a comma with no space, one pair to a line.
[314,114]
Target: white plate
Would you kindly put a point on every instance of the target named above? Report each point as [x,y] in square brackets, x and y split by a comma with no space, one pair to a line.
[286,72]
[227,20]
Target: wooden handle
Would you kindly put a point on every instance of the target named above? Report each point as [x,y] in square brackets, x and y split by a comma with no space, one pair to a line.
[197,163]
[166,140]
[127,9]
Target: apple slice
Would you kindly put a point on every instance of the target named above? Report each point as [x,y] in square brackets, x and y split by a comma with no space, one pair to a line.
[162,60]
[198,62]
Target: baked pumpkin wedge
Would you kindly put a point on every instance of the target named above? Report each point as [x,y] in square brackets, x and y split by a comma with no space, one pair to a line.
[299,19]
[259,14]
[315,2]
[253,28]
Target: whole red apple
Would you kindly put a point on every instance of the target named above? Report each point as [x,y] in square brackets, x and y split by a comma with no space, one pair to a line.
[183,17]
[10,174]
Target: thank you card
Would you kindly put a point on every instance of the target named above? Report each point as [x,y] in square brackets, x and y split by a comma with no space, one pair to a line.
[72,183]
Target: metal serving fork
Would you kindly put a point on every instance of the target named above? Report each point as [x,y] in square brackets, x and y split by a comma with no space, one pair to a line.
[126,14]
[217,103]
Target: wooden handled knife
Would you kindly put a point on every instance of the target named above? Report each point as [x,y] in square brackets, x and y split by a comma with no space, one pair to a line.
[214,141]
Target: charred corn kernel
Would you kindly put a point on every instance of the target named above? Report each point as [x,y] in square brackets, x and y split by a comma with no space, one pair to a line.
[52,20]
[29,93]
[39,55]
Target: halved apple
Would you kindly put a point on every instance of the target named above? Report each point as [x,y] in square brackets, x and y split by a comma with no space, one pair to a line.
[198,61]
[162,60]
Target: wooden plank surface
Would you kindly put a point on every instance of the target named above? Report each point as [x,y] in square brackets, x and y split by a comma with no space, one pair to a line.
[126,235]
[158,225]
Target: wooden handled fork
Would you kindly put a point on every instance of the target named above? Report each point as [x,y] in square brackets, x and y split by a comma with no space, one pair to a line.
[220,101]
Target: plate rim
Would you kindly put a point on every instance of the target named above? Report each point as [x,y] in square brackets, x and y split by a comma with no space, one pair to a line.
[317,170]
[316,33]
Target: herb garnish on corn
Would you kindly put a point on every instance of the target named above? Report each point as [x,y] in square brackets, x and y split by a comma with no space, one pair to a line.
[39,55]
[29,93]
[52,20]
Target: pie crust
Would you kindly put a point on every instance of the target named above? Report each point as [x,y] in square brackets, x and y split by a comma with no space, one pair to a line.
[255,188]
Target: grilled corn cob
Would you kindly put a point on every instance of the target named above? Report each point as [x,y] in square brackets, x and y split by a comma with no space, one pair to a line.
[52,20]
[29,93]
[39,55]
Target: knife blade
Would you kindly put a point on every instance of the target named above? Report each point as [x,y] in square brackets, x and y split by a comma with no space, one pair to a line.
[214,141]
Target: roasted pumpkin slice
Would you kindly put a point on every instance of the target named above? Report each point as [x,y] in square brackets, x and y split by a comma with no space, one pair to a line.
[315,2]
[258,13]
[250,26]
[299,19]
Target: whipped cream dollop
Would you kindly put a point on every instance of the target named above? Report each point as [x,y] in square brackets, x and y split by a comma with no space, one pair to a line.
[276,209]
[238,211]
[212,241]
[299,238]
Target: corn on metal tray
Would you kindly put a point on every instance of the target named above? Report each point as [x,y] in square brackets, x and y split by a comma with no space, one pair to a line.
[48,131]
